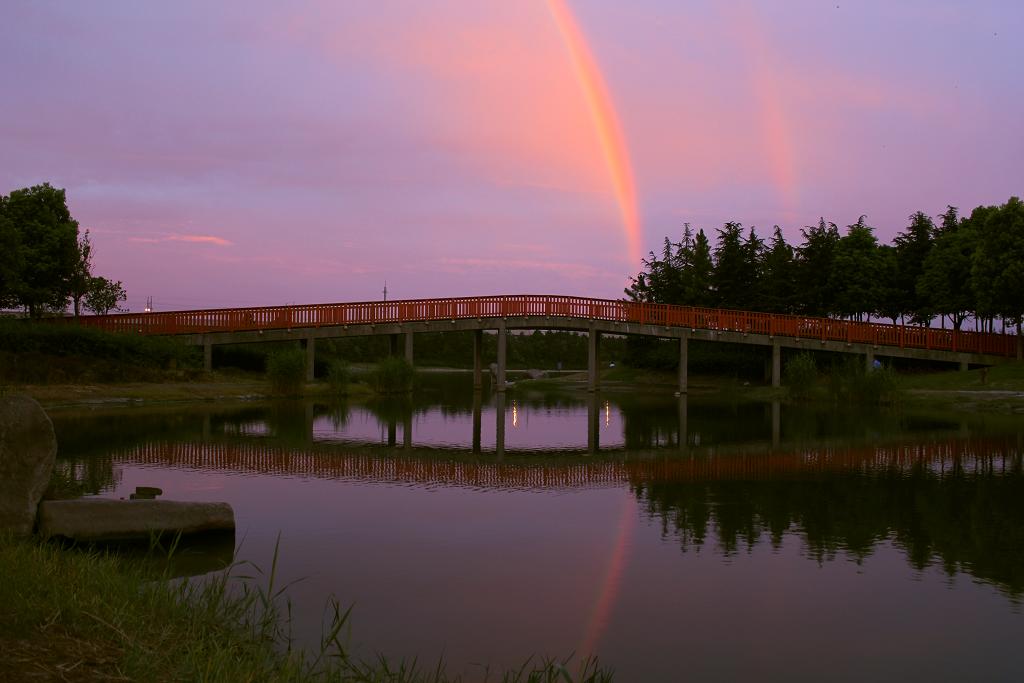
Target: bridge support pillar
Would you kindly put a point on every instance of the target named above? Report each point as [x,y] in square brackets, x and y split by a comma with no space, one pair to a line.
[408,347]
[776,365]
[684,363]
[869,361]
[207,356]
[593,425]
[502,352]
[593,359]
[499,432]
[478,358]
[310,345]
[776,423]
[684,432]
[477,412]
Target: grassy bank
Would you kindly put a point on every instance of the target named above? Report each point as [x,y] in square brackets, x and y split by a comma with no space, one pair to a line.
[74,616]
[996,389]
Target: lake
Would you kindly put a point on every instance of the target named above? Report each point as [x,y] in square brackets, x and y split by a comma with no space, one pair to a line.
[700,537]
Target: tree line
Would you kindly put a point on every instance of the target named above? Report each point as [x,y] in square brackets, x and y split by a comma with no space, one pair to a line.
[45,263]
[954,269]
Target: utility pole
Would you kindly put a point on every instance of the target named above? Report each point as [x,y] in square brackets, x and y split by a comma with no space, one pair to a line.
[385,290]
[149,305]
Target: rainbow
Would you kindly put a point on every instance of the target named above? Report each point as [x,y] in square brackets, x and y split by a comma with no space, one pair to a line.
[611,581]
[606,124]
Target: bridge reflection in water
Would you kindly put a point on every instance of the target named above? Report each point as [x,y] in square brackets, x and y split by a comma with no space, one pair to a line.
[952,502]
[998,456]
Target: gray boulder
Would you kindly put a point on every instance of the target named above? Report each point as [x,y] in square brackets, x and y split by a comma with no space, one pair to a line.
[97,519]
[28,449]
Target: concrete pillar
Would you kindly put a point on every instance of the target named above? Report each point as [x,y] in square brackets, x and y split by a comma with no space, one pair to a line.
[502,351]
[593,424]
[308,416]
[776,365]
[310,358]
[684,431]
[869,360]
[477,411]
[408,347]
[684,363]
[593,359]
[478,358]
[207,356]
[392,345]
[776,423]
[499,412]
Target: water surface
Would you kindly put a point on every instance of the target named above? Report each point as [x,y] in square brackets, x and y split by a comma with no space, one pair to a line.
[673,538]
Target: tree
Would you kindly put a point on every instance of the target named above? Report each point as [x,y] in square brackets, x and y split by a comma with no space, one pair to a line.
[890,299]
[855,272]
[814,263]
[912,248]
[11,259]
[731,277]
[777,268]
[998,268]
[48,241]
[945,282]
[81,275]
[104,295]
[699,287]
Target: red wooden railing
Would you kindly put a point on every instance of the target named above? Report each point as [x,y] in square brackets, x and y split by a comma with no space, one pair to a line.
[323,315]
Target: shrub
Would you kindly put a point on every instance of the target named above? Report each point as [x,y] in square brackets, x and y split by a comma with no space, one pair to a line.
[339,376]
[286,371]
[849,381]
[393,375]
[801,375]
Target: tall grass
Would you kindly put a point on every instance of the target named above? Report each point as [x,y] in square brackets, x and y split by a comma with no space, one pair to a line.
[103,617]
[393,375]
[801,376]
[847,381]
[339,376]
[286,371]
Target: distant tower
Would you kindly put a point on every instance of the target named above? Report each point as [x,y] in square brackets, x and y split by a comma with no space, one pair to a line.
[149,305]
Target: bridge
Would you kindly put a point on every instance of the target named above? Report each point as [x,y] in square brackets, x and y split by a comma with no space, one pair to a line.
[993,455]
[595,317]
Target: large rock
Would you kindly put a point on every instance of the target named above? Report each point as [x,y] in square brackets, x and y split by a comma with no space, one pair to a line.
[97,519]
[28,449]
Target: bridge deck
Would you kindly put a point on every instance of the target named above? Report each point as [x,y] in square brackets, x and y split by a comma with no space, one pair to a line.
[530,309]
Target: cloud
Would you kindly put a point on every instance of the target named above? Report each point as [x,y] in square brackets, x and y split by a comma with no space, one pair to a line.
[175,237]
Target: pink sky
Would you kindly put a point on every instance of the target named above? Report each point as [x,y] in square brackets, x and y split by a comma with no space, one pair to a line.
[265,153]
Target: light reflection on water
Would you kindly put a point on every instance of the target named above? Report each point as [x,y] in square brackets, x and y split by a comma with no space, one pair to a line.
[695,538]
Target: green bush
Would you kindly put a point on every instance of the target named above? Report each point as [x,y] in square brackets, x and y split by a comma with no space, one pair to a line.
[393,375]
[851,382]
[339,376]
[286,371]
[801,375]
[57,351]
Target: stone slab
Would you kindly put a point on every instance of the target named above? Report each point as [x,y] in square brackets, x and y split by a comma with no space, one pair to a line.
[95,519]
